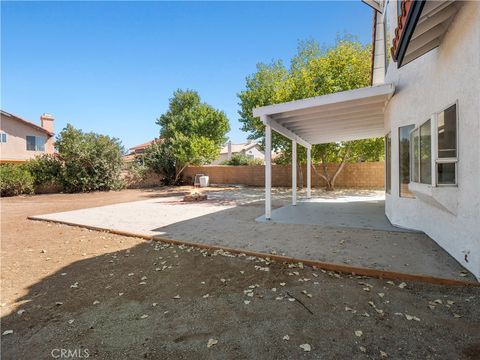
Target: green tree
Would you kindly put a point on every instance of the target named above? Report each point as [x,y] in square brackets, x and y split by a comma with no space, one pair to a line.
[159,159]
[90,161]
[192,131]
[242,159]
[313,71]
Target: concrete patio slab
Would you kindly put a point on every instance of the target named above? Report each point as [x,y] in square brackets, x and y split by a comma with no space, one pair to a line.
[227,219]
[356,213]
[145,217]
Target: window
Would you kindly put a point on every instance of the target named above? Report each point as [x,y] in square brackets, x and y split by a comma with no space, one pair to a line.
[444,129]
[35,143]
[426,153]
[388,163]
[3,138]
[404,160]
[415,144]
[446,161]
[421,150]
[31,143]
[446,173]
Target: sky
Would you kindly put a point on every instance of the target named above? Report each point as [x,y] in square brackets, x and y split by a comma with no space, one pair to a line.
[111,67]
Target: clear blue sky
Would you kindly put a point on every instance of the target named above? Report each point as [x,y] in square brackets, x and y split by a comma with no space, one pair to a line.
[111,67]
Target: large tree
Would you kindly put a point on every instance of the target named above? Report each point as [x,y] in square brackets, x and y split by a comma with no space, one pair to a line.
[192,132]
[313,71]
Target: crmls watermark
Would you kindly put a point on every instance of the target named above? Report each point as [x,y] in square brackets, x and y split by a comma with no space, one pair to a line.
[70,353]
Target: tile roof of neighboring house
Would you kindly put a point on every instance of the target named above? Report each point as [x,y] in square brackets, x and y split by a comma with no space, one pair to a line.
[144,145]
[26,122]
[129,157]
[236,148]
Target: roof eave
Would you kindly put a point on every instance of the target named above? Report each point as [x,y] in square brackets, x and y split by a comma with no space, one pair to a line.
[327,99]
[26,122]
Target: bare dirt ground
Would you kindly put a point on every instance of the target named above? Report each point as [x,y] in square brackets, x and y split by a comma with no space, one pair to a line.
[115,297]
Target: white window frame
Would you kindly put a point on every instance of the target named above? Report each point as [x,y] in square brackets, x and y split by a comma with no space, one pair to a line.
[388,163]
[434,149]
[412,152]
[449,160]
[410,161]
[3,135]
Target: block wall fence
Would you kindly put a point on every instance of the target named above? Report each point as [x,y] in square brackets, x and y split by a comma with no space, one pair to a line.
[354,175]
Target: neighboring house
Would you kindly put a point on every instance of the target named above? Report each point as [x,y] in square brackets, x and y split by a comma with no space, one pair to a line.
[138,150]
[250,149]
[21,140]
[425,100]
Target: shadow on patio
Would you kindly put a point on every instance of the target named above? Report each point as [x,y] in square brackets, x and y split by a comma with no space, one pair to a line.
[228,220]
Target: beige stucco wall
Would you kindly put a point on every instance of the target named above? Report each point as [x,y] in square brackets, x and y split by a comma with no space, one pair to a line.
[425,86]
[254,151]
[15,149]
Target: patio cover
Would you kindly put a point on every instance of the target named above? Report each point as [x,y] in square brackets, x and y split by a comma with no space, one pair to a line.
[347,115]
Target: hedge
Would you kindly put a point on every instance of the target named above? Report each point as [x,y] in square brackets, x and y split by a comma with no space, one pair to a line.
[15,180]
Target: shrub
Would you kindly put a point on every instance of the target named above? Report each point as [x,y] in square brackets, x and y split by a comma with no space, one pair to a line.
[160,160]
[241,159]
[134,172]
[90,161]
[15,180]
[46,170]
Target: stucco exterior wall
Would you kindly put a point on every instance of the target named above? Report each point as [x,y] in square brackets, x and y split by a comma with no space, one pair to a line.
[254,151]
[425,86]
[378,71]
[15,149]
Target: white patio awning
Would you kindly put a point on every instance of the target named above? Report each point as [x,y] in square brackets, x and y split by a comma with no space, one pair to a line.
[347,115]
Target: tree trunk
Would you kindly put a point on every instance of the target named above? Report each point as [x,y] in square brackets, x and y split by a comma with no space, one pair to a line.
[300,177]
[179,173]
[330,179]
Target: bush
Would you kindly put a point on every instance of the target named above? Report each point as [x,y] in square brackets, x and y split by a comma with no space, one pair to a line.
[15,180]
[46,170]
[241,159]
[160,160]
[90,161]
[134,172]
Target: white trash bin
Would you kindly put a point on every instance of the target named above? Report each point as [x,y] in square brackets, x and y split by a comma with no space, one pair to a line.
[203,181]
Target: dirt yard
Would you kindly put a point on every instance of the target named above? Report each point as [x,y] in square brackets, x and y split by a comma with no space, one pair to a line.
[111,297]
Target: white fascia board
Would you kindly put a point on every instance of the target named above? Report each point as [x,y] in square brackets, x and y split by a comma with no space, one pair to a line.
[376,5]
[344,96]
[285,132]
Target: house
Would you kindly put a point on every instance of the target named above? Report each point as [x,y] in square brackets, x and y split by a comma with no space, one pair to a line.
[21,140]
[250,149]
[138,150]
[425,101]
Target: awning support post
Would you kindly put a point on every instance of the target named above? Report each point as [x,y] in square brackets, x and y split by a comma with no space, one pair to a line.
[268,170]
[294,172]
[309,172]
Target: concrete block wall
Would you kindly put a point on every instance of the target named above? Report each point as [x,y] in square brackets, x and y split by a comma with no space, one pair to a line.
[355,175]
